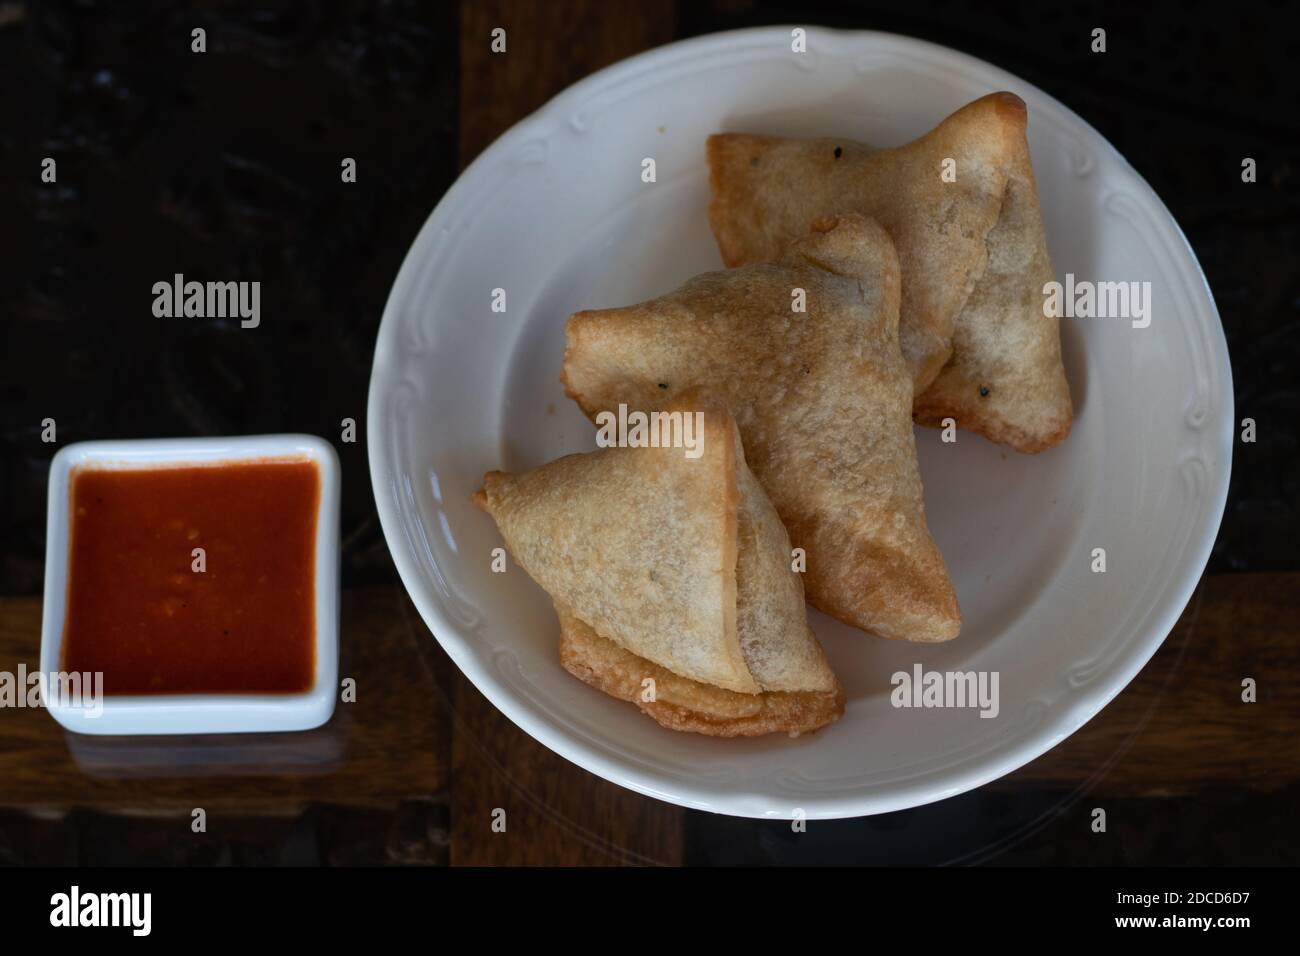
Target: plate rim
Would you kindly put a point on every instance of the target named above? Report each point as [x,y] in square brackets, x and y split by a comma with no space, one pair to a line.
[1078,707]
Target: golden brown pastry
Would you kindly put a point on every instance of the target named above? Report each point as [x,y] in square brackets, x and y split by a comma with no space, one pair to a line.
[681,704]
[972,252]
[674,570]
[823,401]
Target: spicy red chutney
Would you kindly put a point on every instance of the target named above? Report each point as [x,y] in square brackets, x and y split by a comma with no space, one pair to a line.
[140,610]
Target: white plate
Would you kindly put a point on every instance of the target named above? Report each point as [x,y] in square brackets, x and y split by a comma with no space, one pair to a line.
[556,214]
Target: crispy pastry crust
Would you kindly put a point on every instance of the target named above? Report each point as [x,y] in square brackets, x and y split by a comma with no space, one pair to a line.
[626,535]
[972,252]
[823,401]
[641,544]
[685,705]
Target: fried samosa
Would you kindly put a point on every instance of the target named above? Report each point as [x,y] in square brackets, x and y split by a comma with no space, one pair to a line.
[823,400]
[675,570]
[970,242]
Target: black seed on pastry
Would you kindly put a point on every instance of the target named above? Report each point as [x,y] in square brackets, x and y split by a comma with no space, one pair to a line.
[984,391]
[838,152]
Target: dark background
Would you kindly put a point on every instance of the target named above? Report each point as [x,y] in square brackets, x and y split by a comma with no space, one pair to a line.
[226,165]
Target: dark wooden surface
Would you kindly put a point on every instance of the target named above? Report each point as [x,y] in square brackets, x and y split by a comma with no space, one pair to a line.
[231,166]
[387,746]
[1178,731]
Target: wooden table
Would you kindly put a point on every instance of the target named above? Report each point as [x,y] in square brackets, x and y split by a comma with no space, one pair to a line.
[415,769]
[425,759]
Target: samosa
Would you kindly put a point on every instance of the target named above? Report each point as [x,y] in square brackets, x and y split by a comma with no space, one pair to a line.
[673,581]
[963,211]
[805,352]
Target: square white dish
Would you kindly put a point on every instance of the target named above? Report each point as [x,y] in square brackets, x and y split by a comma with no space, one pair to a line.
[197,713]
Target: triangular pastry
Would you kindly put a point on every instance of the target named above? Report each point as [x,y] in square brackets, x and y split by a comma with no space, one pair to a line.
[1006,380]
[972,251]
[823,401]
[676,569]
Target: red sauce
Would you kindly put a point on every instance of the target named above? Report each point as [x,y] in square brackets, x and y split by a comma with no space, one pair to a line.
[139,612]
